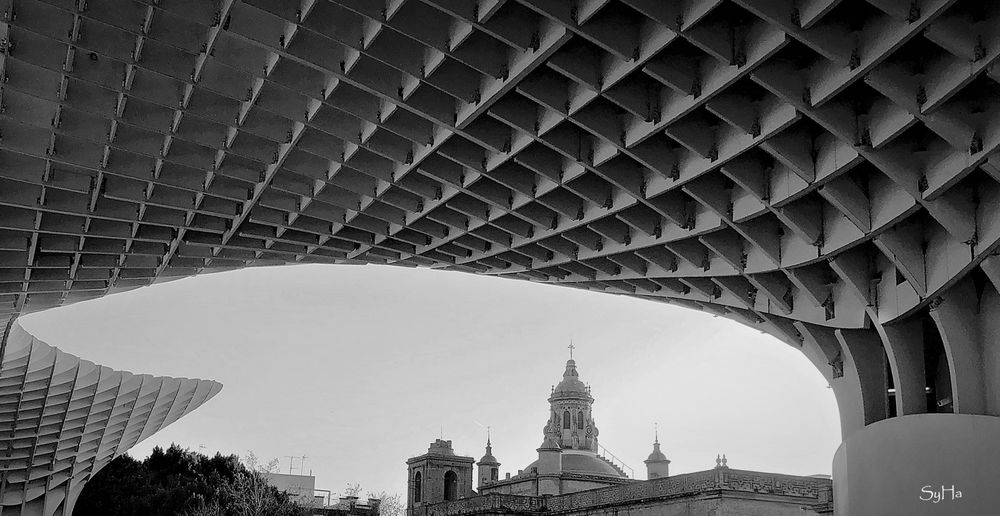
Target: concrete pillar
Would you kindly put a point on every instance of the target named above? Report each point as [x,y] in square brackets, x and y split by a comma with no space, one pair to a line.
[919,465]
[929,463]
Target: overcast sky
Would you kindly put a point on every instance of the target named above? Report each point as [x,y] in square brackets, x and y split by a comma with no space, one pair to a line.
[361,367]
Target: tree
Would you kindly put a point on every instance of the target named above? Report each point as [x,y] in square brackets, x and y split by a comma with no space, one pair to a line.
[176,481]
[212,509]
[353,490]
[389,505]
[254,496]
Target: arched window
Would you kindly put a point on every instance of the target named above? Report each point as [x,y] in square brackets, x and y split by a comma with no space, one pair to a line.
[567,424]
[417,484]
[494,474]
[579,420]
[450,486]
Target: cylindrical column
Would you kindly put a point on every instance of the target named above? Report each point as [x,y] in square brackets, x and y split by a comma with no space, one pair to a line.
[919,465]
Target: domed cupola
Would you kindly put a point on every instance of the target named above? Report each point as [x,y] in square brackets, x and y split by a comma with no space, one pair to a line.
[488,457]
[489,466]
[656,455]
[571,386]
[657,464]
[570,423]
[569,446]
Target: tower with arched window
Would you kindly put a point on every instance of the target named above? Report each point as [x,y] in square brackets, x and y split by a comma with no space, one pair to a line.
[571,425]
[439,475]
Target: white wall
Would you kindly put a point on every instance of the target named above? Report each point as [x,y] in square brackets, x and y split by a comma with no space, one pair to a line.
[299,487]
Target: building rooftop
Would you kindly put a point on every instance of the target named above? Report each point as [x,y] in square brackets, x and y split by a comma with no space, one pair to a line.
[812,492]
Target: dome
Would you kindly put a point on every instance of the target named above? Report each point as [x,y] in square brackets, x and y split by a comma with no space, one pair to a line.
[571,384]
[588,463]
[584,462]
[657,455]
[489,458]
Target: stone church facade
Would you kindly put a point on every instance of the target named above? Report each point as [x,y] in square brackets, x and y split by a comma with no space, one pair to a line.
[572,477]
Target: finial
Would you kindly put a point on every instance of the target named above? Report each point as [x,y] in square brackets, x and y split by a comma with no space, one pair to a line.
[488,436]
[571,348]
[656,433]
[718,461]
[724,461]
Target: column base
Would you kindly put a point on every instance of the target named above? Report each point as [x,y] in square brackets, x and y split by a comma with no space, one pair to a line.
[922,464]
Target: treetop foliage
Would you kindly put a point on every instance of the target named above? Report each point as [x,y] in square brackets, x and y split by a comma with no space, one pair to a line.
[177,481]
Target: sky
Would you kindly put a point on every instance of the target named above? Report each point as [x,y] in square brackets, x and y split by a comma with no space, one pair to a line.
[360,367]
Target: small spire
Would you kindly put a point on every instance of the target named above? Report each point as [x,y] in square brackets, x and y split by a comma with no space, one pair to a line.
[656,433]
[488,457]
[571,348]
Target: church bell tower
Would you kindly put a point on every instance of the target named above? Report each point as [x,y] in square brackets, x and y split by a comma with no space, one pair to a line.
[438,475]
[570,423]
